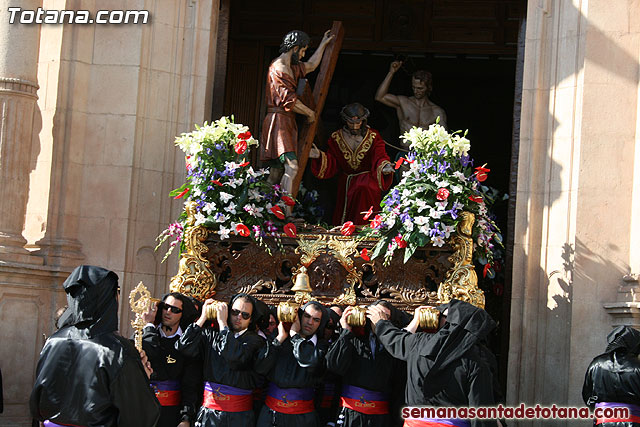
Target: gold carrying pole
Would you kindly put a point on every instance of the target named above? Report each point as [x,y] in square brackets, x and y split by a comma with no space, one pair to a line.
[140,301]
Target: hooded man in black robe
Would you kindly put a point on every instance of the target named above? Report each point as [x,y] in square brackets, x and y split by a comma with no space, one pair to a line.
[450,368]
[176,379]
[613,378]
[88,375]
[368,372]
[230,353]
[294,366]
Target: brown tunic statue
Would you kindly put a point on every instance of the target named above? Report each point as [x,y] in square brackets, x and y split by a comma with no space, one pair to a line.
[279,138]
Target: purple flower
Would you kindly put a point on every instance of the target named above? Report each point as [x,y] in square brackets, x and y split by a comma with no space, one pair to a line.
[404,216]
[442,167]
[466,161]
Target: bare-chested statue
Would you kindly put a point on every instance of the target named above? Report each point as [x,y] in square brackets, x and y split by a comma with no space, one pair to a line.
[279,138]
[416,110]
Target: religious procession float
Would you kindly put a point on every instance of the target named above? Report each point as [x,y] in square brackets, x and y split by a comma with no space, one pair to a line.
[424,243]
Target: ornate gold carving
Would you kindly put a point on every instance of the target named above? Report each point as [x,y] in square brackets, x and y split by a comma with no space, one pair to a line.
[260,285]
[461,281]
[309,248]
[140,301]
[354,158]
[408,295]
[343,251]
[333,266]
[194,275]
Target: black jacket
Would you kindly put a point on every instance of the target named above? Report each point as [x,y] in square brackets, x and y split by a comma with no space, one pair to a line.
[451,367]
[614,376]
[87,374]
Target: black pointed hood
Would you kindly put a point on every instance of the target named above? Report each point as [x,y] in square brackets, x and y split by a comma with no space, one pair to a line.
[465,327]
[91,300]
[623,339]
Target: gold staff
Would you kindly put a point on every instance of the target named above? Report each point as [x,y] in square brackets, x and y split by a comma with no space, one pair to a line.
[139,306]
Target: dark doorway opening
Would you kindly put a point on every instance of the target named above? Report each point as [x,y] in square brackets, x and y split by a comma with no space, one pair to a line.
[470,47]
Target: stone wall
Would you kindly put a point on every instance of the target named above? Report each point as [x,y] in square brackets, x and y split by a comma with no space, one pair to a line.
[575,222]
[101,161]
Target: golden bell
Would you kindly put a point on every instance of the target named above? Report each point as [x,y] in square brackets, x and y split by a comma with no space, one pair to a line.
[302,281]
[357,316]
[287,311]
[429,318]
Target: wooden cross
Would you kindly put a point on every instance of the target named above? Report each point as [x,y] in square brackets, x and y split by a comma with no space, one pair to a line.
[308,132]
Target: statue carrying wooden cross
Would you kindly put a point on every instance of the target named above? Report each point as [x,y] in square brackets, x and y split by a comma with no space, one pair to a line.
[287,154]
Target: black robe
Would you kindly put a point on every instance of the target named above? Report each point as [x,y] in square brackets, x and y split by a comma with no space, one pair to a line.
[169,364]
[614,376]
[451,367]
[227,360]
[351,357]
[296,363]
[88,374]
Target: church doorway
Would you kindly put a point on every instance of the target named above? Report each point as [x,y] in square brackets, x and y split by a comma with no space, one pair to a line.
[469,46]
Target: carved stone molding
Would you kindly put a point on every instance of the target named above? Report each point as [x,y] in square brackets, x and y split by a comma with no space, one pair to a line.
[19,87]
[626,310]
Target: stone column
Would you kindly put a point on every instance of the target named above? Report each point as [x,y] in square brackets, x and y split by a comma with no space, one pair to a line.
[18,69]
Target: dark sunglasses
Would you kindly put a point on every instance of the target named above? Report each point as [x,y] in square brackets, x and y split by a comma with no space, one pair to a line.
[171,308]
[245,315]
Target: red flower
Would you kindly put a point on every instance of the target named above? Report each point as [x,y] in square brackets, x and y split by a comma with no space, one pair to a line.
[288,201]
[185,191]
[244,135]
[347,228]
[290,230]
[242,230]
[187,162]
[399,162]
[442,194]
[476,199]
[376,221]
[400,241]
[241,146]
[277,211]
[364,254]
[216,182]
[367,214]
[481,173]
[486,268]
[244,164]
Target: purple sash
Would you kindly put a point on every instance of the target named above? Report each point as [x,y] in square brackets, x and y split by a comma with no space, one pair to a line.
[633,409]
[290,393]
[48,423]
[226,389]
[415,422]
[167,385]
[357,393]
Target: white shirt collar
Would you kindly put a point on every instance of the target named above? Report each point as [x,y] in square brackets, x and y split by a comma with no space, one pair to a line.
[237,334]
[163,334]
[314,339]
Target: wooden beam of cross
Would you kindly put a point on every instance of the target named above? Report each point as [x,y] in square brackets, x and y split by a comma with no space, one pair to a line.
[308,132]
